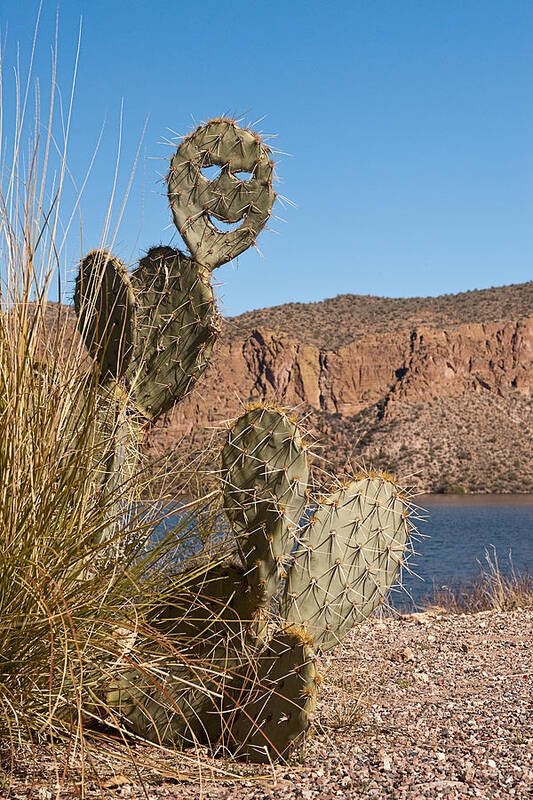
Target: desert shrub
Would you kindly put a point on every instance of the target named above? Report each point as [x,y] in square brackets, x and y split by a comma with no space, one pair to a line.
[492,589]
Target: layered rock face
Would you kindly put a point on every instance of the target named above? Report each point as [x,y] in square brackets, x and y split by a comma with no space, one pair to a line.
[478,373]
[406,366]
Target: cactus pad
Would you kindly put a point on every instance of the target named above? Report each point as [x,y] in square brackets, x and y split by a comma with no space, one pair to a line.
[281,698]
[114,450]
[165,703]
[177,327]
[265,474]
[348,557]
[195,201]
[105,307]
[208,607]
[181,701]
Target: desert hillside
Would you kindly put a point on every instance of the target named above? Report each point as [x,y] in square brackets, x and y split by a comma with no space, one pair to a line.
[438,390]
[340,320]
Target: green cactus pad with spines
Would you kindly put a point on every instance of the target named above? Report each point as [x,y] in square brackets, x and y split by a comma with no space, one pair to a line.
[265,474]
[281,698]
[209,607]
[348,557]
[195,201]
[166,705]
[181,702]
[105,307]
[177,324]
[208,618]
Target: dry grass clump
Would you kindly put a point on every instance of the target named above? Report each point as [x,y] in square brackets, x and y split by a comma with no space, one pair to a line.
[492,590]
[80,565]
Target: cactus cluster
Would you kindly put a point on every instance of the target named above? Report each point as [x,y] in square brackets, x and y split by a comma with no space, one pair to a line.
[305,571]
[243,675]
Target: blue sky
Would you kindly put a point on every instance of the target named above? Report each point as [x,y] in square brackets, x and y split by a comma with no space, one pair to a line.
[409,124]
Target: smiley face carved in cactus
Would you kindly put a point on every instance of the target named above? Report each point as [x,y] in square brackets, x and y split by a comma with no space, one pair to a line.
[197,202]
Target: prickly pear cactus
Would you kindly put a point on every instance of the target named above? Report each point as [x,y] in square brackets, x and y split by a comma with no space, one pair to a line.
[265,477]
[106,309]
[281,698]
[197,203]
[348,557]
[114,450]
[151,333]
[221,613]
[157,328]
[316,573]
[241,675]
[178,324]
[213,605]
[178,699]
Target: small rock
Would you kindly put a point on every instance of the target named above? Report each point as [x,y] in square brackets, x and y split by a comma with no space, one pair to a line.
[404,654]
[386,761]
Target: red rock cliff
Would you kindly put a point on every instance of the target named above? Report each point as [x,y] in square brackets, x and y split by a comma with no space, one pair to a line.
[407,366]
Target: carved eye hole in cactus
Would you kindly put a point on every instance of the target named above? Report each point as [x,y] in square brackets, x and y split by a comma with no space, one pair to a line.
[204,203]
[211,173]
[242,175]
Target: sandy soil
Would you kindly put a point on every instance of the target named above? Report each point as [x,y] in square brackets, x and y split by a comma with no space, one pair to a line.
[427,706]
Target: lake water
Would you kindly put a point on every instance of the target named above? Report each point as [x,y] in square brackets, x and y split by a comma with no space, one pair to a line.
[460,529]
[457,531]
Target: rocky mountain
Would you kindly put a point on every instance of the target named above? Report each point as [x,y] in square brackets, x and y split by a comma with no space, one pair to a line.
[438,390]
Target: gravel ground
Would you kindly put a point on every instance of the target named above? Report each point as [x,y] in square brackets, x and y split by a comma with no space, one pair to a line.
[426,706]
